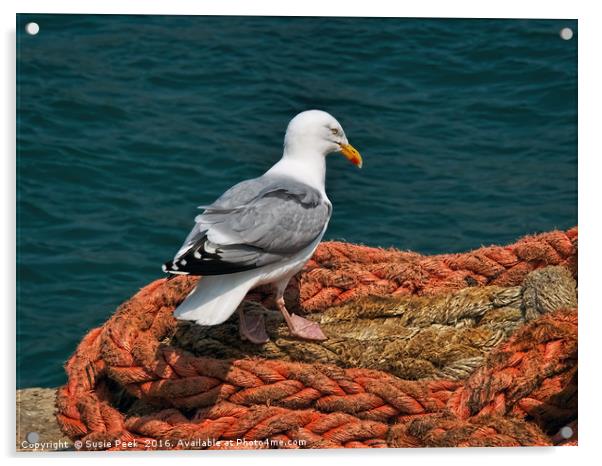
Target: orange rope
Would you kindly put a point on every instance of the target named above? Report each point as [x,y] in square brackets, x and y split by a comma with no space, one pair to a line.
[531,376]
[341,272]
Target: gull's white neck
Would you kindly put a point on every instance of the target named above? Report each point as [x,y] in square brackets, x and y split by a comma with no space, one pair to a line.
[307,167]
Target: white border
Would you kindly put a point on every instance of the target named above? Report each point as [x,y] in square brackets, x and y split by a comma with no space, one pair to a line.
[590,125]
[439,8]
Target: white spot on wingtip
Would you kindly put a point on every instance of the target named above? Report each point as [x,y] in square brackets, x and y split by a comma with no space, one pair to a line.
[197,254]
[183,262]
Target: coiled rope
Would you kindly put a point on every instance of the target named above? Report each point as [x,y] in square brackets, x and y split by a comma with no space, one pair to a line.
[523,392]
[441,336]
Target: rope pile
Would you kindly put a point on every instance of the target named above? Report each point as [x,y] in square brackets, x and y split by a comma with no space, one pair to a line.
[132,384]
[343,272]
[442,336]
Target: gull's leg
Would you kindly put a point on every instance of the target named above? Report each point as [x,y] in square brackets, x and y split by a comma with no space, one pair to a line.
[252,327]
[299,327]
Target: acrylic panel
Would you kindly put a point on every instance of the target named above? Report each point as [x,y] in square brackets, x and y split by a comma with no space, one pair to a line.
[398,271]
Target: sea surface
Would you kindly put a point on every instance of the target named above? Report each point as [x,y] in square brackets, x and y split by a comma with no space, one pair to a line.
[468,129]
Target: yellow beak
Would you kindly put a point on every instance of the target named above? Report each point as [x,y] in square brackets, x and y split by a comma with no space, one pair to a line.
[352,154]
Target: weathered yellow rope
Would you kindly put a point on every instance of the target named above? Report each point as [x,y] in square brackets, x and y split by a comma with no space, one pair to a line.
[445,336]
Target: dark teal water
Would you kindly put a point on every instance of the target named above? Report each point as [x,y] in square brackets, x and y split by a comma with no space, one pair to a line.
[468,130]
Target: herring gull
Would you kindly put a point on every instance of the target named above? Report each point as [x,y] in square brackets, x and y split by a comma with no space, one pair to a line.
[263,231]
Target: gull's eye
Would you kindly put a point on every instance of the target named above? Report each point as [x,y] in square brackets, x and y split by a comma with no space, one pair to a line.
[334,130]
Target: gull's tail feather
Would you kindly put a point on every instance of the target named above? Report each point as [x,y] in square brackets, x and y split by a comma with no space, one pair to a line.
[215,298]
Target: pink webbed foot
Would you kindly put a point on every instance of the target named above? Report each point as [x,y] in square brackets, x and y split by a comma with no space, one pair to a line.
[299,326]
[252,328]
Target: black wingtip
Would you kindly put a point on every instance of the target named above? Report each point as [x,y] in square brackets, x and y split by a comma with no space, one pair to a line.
[172,270]
[166,269]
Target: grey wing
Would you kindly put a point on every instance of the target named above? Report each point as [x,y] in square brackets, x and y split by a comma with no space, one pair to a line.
[255,223]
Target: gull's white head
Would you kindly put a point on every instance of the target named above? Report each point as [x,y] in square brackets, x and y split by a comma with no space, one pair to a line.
[318,132]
